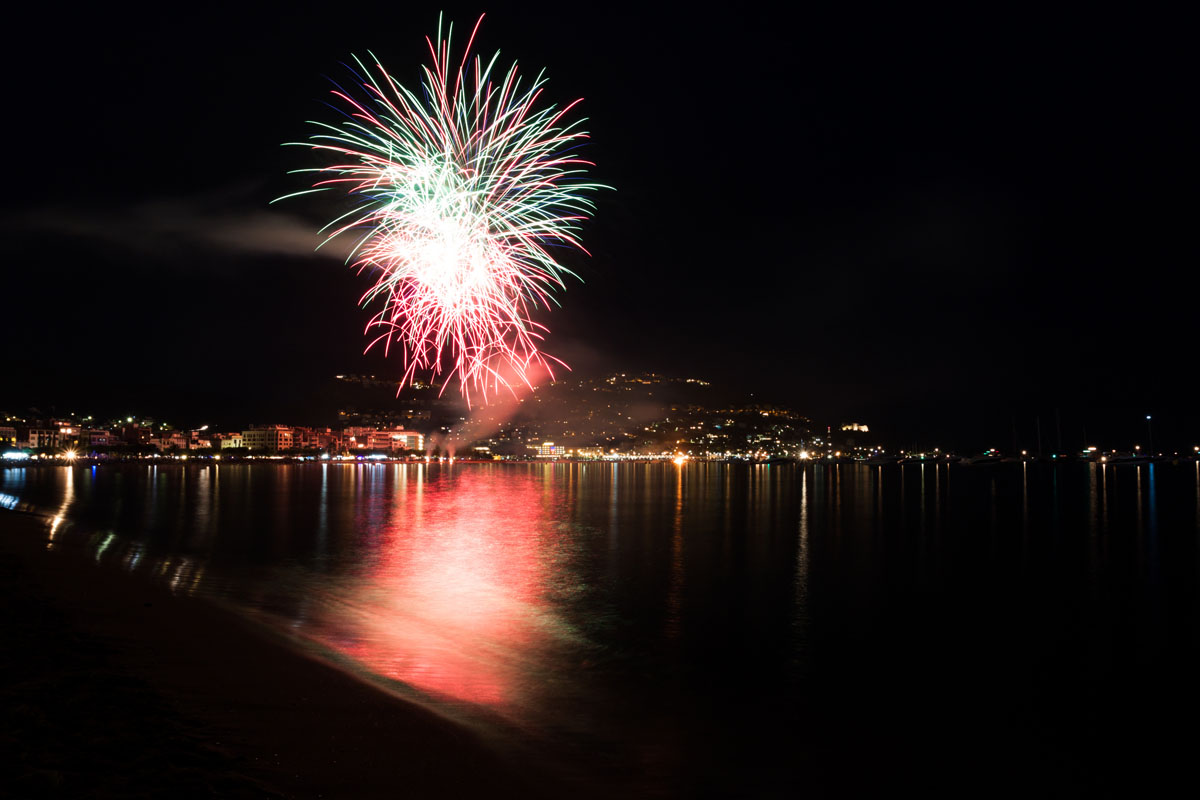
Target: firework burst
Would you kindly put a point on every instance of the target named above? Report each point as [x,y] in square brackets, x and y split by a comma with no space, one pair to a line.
[460,195]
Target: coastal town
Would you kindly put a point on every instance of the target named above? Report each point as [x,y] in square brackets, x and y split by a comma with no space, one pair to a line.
[617,417]
[620,416]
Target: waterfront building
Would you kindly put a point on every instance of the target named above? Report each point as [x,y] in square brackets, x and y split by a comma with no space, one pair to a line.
[407,440]
[304,438]
[551,450]
[228,441]
[43,437]
[392,440]
[94,437]
[167,440]
[133,433]
[273,438]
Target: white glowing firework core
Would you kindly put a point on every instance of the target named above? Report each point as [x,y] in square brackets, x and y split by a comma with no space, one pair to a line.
[439,258]
[464,188]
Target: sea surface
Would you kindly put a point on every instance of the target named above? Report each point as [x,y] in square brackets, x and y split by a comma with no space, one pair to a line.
[709,630]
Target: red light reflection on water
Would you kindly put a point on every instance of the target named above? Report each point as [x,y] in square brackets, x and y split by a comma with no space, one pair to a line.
[453,603]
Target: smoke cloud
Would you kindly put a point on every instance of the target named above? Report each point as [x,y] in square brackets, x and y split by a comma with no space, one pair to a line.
[169,226]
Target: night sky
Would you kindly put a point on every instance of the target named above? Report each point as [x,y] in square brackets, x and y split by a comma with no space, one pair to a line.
[939,224]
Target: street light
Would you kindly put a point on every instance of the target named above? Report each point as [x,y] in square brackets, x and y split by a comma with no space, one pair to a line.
[1150,434]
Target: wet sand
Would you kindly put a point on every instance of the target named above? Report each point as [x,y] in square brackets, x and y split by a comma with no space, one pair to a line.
[114,687]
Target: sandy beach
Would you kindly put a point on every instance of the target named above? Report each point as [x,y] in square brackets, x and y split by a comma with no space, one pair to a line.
[114,687]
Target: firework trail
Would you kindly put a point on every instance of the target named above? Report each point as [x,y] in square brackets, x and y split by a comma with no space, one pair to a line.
[460,194]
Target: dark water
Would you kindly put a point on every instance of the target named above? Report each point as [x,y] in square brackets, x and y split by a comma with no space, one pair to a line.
[713,630]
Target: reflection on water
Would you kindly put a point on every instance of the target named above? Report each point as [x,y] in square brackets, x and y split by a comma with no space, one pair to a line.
[68,495]
[456,590]
[654,616]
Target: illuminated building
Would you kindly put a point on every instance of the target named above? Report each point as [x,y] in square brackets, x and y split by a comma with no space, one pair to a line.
[550,450]
[172,439]
[407,440]
[363,438]
[43,437]
[376,440]
[268,437]
[315,438]
[303,438]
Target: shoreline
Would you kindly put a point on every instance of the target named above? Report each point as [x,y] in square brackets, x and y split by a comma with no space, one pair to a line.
[250,715]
